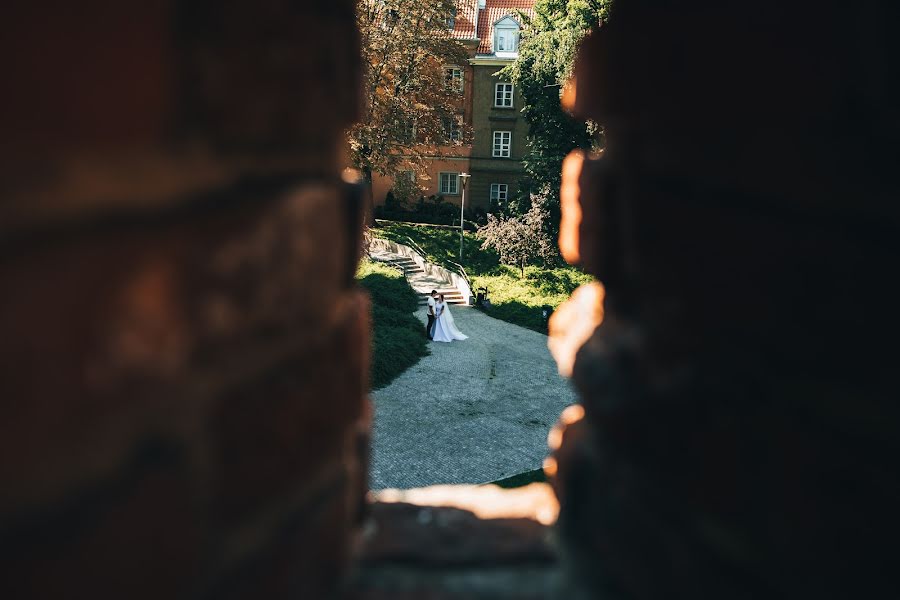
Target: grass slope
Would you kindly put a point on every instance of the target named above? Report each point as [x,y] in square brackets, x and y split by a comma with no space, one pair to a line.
[513,299]
[398,338]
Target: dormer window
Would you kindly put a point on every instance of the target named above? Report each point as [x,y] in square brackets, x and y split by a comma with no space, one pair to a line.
[506,36]
[506,40]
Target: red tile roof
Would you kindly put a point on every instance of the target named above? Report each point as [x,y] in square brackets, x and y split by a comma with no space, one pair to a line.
[464,28]
[494,11]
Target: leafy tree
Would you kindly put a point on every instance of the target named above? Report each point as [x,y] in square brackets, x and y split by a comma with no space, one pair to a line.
[546,58]
[522,239]
[408,100]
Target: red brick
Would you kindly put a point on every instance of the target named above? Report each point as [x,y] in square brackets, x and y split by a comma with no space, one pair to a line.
[306,557]
[138,538]
[275,432]
[451,537]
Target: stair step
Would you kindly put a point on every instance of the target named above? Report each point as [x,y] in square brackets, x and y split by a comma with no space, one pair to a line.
[410,267]
[453,294]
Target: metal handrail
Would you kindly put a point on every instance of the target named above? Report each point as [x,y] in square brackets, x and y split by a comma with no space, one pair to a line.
[462,272]
[399,268]
[418,248]
[459,270]
[390,263]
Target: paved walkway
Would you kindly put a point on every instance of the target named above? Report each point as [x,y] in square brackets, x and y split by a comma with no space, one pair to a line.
[472,412]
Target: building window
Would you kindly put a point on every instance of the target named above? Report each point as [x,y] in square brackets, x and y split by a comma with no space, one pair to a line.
[406,129]
[452,129]
[507,40]
[502,143]
[451,20]
[503,95]
[499,193]
[448,184]
[506,36]
[453,76]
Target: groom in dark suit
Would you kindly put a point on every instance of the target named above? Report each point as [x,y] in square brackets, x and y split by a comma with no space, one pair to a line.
[430,327]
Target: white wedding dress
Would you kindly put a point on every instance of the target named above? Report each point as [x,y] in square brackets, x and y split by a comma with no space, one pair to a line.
[444,328]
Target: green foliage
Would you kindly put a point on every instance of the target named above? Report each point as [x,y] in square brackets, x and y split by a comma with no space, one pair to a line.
[546,58]
[398,338]
[520,300]
[432,210]
[514,298]
[392,203]
[441,245]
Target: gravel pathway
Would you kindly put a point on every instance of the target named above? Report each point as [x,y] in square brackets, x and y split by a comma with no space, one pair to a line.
[472,412]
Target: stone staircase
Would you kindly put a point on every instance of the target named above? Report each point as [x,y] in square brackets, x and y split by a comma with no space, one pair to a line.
[419,279]
[452,296]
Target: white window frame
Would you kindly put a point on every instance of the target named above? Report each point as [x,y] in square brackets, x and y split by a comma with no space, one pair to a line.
[507,39]
[454,78]
[503,95]
[451,178]
[499,192]
[501,148]
[506,29]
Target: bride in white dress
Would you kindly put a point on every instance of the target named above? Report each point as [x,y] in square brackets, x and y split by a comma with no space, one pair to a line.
[444,328]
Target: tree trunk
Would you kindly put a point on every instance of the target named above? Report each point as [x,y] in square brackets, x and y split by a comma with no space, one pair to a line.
[370,199]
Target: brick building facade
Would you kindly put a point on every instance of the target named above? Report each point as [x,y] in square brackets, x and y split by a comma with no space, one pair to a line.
[489,29]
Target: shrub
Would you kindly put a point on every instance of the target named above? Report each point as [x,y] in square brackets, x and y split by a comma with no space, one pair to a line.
[477,215]
[433,210]
[392,203]
[398,337]
[519,240]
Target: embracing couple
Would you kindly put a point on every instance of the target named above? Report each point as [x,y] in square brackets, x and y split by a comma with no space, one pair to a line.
[441,327]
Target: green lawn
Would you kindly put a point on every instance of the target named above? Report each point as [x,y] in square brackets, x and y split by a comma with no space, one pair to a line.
[398,338]
[513,298]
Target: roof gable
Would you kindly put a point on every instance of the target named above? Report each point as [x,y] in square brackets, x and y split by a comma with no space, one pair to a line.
[507,21]
[494,12]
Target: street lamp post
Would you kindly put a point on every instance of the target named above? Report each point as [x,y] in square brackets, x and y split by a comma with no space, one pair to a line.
[462,212]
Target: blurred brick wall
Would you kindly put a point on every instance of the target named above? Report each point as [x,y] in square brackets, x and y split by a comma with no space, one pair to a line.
[182,367]
[183,356]
[740,395]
